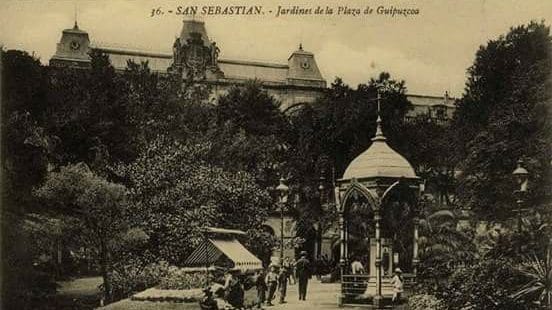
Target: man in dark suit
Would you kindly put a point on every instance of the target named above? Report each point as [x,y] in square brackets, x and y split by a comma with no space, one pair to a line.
[303,274]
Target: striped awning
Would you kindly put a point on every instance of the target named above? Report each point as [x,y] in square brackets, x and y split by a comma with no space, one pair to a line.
[210,252]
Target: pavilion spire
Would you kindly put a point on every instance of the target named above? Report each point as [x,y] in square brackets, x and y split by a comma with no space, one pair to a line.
[379,132]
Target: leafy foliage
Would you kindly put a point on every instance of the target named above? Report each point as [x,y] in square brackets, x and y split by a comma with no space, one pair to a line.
[179,279]
[250,133]
[175,193]
[539,275]
[98,206]
[425,302]
[504,115]
[25,151]
[135,275]
[431,152]
[443,247]
[486,285]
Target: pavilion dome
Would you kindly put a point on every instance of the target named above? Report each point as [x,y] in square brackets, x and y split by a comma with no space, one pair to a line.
[379,161]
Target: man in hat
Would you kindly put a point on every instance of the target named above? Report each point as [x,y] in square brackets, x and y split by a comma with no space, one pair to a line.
[260,284]
[303,274]
[272,283]
[398,286]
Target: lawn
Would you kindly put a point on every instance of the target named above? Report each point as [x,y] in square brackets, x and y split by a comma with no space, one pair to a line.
[79,294]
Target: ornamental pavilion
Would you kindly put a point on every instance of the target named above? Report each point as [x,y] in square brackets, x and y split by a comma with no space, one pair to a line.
[376,199]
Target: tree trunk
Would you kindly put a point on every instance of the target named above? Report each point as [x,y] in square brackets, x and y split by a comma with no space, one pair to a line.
[108,290]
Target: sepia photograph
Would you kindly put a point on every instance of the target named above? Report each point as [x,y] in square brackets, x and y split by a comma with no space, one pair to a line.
[276,154]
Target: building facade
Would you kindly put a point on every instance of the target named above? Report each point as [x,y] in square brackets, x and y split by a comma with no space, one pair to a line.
[195,57]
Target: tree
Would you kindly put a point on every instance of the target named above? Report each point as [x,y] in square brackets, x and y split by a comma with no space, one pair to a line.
[162,104]
[336,126]
[175,192]
[328,134]
[504,115]
[98,205]
[85,112]
[250,133]
[430,150]
[25,144]
[26,148]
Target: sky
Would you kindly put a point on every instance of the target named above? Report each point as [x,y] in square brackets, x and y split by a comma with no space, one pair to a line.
[430,51]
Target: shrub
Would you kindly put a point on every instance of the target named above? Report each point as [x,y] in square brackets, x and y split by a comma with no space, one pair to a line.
[486,285]
[179,279]
[134,276]
[425,302]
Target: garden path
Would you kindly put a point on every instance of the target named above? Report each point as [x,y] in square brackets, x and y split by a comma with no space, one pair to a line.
[319,296]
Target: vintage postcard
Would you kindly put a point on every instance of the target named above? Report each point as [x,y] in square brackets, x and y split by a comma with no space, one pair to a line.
[164,154]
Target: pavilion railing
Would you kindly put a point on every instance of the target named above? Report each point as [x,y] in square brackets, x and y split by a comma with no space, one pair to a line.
[353,285]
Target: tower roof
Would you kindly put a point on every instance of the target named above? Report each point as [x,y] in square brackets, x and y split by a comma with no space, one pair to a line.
[379,160]
[193,26]
[75,29]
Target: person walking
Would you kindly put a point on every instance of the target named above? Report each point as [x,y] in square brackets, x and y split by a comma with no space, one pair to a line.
[260,284]
[303,274]
[272,283]
[289,270]
[282,284]
[398,286]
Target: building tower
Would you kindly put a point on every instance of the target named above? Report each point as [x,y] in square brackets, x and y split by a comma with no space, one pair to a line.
[72,49]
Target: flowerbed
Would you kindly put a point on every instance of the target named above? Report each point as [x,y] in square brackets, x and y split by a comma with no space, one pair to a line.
[165,295]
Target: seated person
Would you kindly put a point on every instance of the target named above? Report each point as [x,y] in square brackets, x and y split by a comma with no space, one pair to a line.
[208,302]
[234,292]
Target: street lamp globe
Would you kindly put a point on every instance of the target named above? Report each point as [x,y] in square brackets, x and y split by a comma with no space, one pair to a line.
[521,175]
[283,190]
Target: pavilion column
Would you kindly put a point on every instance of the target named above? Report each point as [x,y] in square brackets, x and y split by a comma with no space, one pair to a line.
[378,299]
[346,229]
[342,242]
[415,259]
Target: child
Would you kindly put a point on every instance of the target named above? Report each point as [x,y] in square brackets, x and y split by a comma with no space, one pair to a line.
[260,284]
[397,283]
[272,283]
[288,265]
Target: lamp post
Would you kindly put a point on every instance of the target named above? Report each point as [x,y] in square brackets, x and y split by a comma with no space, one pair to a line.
[521,175]
[282,200]
[416,220]
[325,200]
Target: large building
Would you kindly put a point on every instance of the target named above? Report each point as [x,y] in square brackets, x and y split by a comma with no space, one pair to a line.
[195,57]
